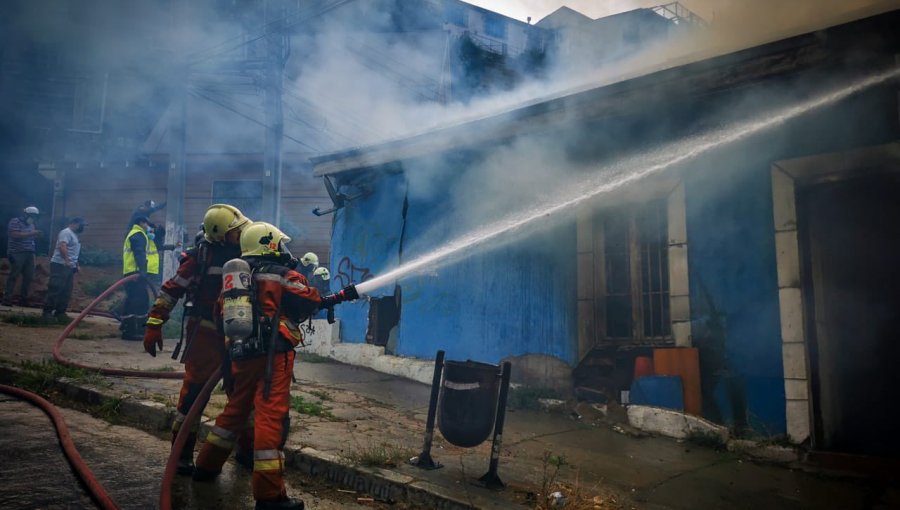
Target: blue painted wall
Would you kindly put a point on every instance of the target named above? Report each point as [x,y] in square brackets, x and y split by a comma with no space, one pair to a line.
[511,300]
[506,301]
[365,241]
[734,295]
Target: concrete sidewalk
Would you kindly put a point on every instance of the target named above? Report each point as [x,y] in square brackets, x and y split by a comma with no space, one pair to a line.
[355,427]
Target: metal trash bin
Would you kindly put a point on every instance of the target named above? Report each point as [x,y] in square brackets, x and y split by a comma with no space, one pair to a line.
[468,403]
[472,399]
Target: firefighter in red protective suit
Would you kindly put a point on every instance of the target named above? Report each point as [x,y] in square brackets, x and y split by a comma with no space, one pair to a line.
[199,280]
[264,301]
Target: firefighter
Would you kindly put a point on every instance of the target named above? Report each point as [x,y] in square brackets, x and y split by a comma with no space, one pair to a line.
[320,280]
[199,280]
[261,343]
[308,264]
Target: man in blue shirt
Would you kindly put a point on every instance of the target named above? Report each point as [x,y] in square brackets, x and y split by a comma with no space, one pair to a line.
[63,266]
[21,234]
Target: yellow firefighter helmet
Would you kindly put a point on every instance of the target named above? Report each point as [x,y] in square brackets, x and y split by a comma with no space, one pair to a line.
[221,219]
[263,239]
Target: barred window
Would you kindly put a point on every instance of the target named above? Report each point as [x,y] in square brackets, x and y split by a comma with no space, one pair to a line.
[637,273]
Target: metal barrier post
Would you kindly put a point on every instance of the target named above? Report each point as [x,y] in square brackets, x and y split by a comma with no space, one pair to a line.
[490,479]
[424,460]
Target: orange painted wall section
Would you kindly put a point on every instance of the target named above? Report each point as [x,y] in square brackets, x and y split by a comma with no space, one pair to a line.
[684,362]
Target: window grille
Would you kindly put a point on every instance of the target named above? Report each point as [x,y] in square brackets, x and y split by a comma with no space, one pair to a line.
[636,273]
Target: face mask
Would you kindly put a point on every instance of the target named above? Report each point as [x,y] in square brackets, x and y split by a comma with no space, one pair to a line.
[29,220]
[151,236]
[80,229]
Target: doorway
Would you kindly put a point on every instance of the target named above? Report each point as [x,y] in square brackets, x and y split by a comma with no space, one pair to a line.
[850,249]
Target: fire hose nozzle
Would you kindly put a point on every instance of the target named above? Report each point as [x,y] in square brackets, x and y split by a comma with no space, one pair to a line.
[349,293]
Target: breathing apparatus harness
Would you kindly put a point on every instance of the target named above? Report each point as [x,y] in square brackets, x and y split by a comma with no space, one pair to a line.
[259,336]
[201,252]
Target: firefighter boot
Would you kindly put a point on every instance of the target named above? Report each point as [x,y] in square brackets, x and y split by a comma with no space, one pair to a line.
[186,459]
[280,504]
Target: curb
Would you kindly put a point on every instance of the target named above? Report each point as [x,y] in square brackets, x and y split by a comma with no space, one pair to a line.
[381,484]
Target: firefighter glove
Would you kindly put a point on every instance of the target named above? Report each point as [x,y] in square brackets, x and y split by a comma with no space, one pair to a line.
[348,293]
[153,339]
[329,301]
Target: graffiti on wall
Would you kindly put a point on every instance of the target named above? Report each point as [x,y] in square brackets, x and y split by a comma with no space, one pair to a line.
[348,272]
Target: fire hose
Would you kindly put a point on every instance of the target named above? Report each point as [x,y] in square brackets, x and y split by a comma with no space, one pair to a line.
[62,360]
[84,473]
[81,469]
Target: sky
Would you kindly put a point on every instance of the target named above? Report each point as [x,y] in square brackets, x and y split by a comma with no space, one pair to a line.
[778,14]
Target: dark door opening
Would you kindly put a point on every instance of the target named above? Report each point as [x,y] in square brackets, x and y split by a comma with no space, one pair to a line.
[384,316]
[851,270]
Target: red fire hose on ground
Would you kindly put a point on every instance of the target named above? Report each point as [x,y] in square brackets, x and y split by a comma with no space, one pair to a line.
[62,360]
[84,473]
[81,469]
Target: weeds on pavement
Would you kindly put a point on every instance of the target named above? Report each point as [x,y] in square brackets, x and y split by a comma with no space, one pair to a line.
[324,396]
[380,455]
[299,404]
[110,409]
[573,495]
[40,376]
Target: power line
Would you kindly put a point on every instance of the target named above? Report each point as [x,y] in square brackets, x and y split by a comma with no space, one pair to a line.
[294,117]
[199,59]
[251,119]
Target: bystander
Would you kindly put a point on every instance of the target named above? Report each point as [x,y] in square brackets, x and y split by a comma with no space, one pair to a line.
[21,234]
[63,266]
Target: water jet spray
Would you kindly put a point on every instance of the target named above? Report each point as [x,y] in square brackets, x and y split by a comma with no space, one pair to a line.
[631,171]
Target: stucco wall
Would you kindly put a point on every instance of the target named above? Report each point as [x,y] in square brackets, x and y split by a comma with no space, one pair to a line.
[365,241]
[734,296]
[513,300]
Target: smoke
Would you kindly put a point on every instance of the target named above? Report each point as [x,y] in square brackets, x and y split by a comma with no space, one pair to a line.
[358,73]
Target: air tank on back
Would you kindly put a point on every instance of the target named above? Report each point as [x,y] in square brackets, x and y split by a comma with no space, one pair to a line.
[237,309]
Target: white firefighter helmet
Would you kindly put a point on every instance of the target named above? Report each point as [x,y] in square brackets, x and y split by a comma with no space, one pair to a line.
[322,272]
[263,239]
[221,219]
[309,258]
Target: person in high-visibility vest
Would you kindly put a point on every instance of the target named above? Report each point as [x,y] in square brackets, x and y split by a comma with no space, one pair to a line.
[139,255]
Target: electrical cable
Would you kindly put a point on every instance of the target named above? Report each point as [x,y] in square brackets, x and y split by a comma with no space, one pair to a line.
[251,119]
[323,10]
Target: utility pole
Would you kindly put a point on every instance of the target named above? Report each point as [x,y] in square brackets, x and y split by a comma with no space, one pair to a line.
[276,53]
[177,161]
[175,184]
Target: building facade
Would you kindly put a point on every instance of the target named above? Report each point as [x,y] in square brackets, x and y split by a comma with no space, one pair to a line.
[760,233]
